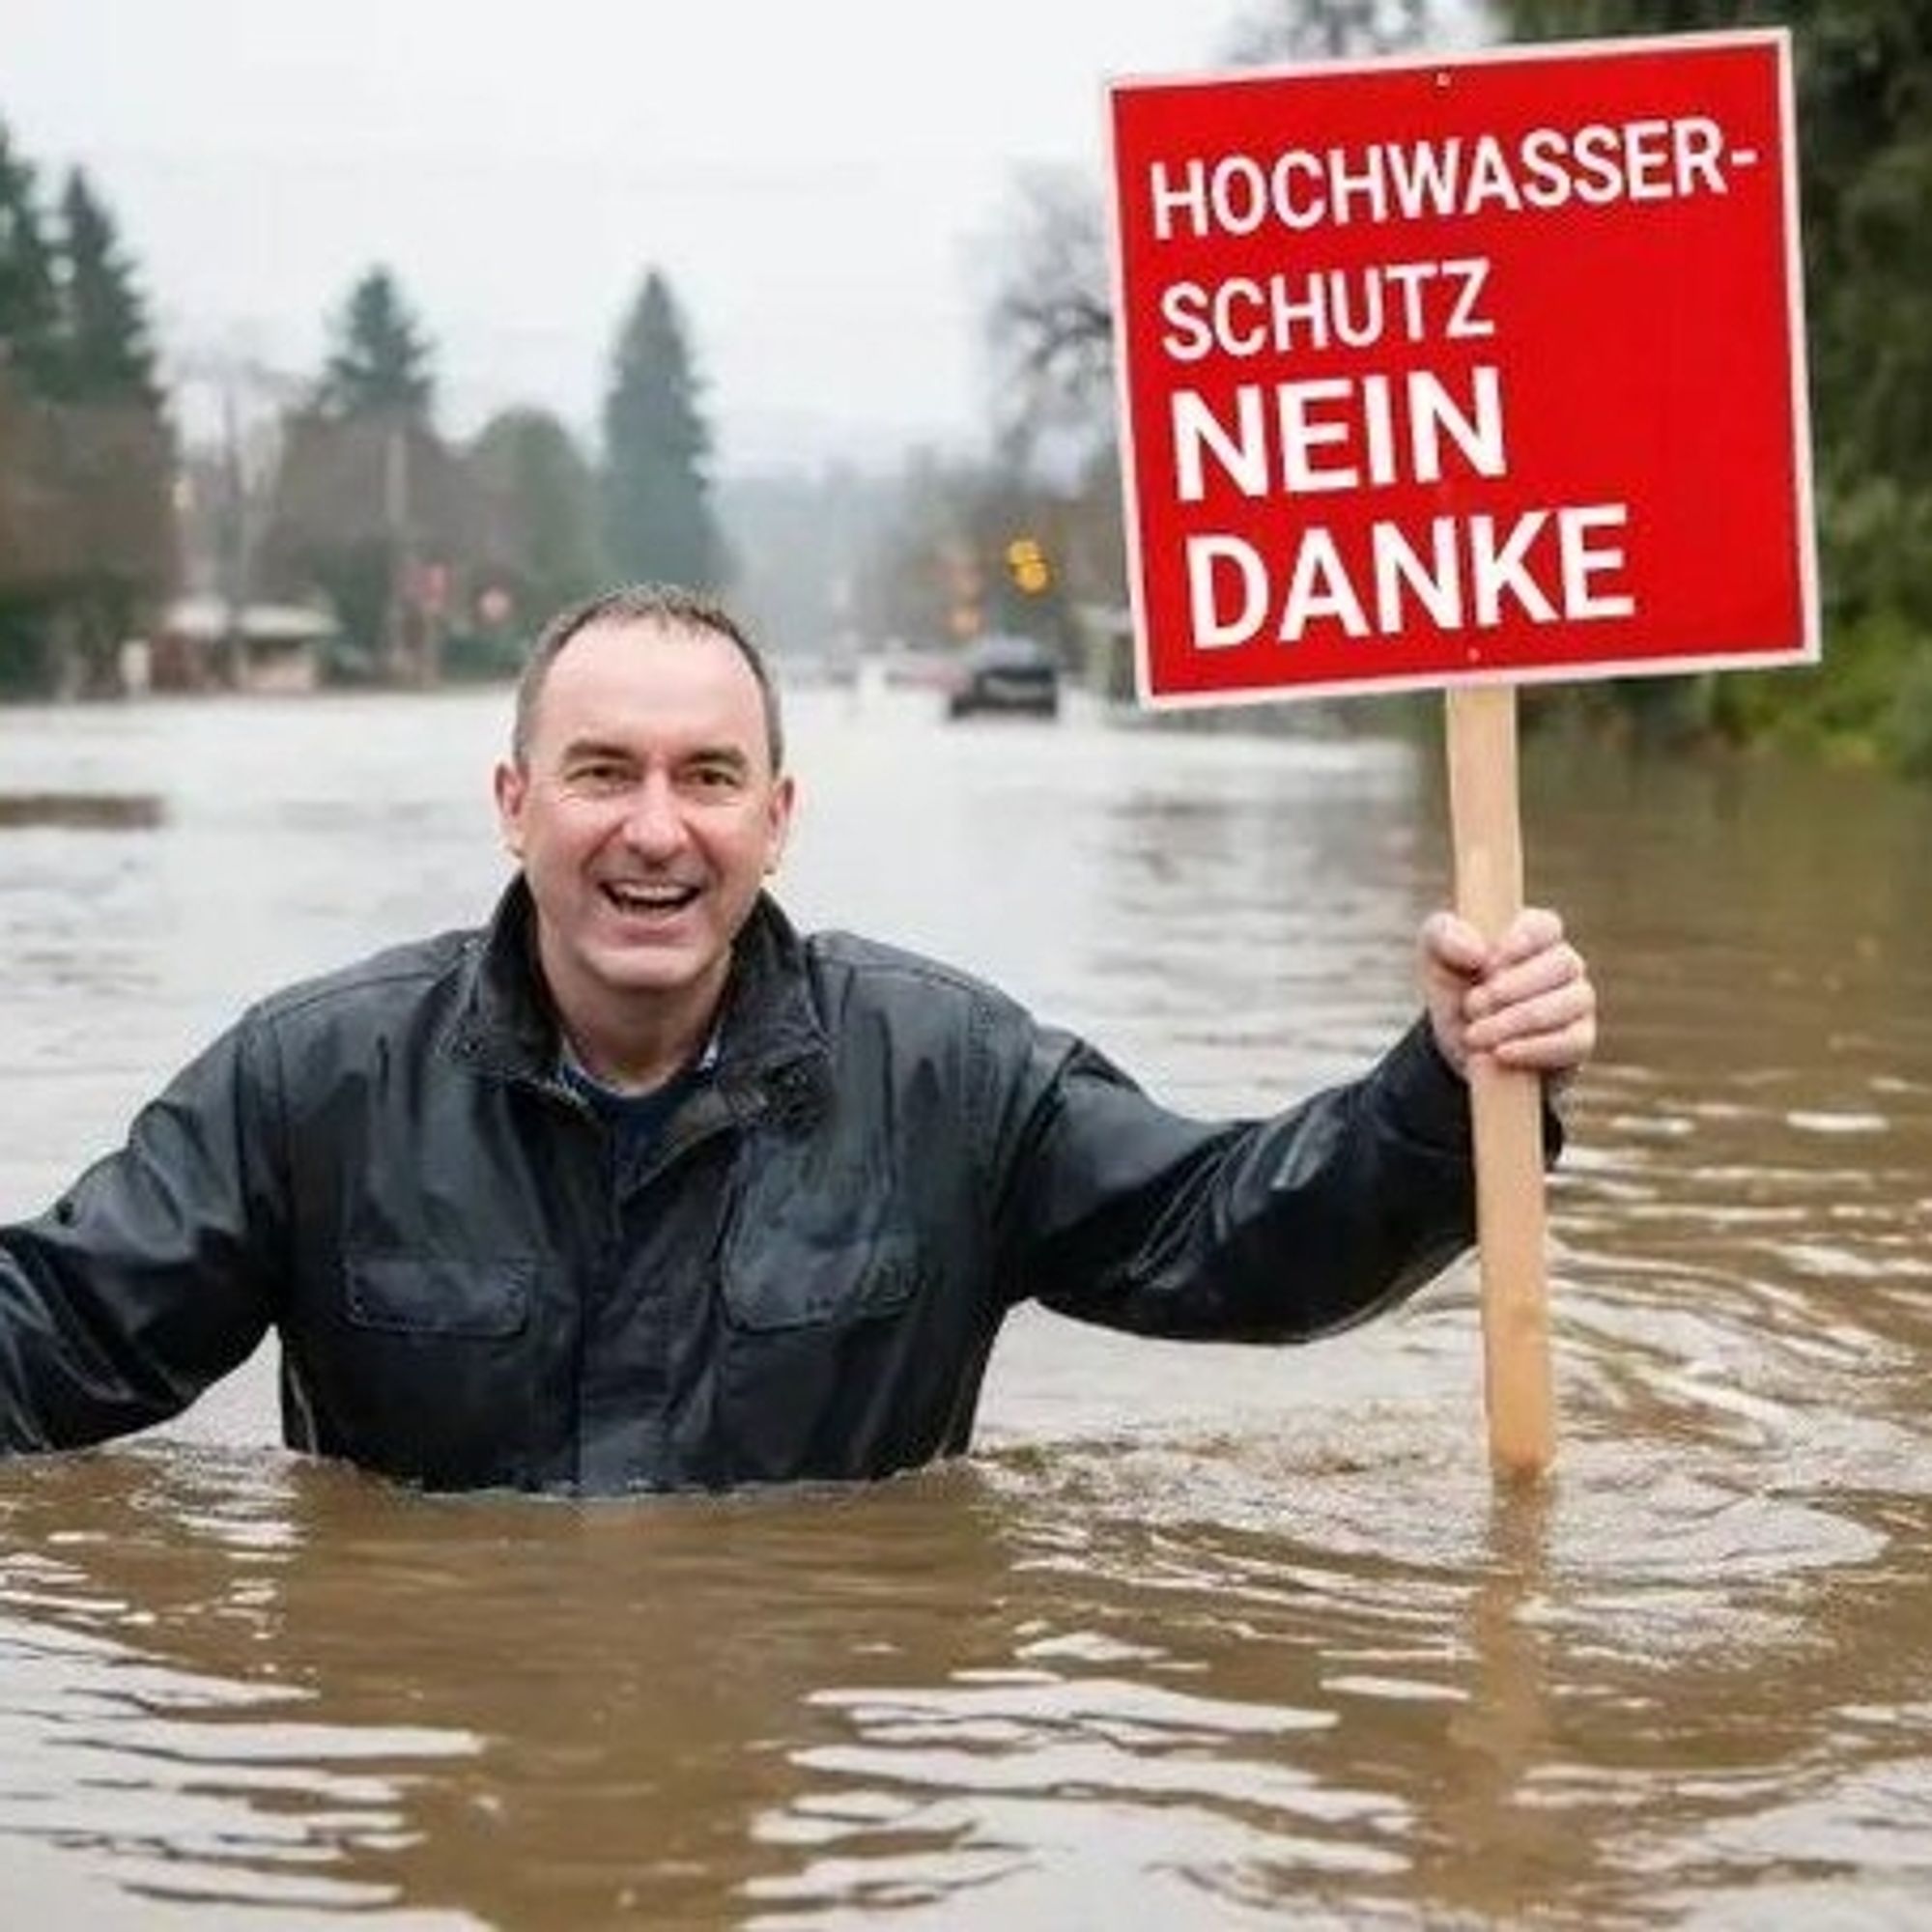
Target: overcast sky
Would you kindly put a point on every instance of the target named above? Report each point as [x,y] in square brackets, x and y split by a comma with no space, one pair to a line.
[822,180]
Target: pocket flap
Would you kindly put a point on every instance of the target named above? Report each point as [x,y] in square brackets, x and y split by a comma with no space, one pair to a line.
[778,1287]
[439,1295]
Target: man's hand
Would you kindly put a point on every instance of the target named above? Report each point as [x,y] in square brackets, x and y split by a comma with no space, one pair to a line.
[1527,1000]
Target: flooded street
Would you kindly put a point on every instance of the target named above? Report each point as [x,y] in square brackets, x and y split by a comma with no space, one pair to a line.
[1200,1637]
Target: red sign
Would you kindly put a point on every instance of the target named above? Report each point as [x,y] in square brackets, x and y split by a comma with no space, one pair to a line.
[1460,370]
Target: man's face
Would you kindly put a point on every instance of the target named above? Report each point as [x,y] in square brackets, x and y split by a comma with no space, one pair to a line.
[646,814]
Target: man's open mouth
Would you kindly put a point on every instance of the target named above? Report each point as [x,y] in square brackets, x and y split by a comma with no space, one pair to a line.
[646,900]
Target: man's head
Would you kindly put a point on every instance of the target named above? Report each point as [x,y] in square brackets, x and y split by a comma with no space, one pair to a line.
[645,801]
[661,603]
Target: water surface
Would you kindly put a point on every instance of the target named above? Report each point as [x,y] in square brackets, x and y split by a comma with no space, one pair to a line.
[1199,1635]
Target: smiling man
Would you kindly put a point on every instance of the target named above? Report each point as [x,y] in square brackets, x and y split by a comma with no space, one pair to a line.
[645,802]
[636,1187]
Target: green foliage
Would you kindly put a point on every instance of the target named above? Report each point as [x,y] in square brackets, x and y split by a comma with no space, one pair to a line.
[538,500]
[658,517]
[86,528]
[105,353]
[29,295]
[364,506]
[381,362]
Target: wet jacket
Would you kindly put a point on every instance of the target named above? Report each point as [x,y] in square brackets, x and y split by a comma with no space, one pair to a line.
[801,1277]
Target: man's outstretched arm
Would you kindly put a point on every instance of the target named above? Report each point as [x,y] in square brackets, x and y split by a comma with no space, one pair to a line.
[154,1274]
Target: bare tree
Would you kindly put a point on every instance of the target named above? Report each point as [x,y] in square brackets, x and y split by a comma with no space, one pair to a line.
[1316,30]
[1050,326]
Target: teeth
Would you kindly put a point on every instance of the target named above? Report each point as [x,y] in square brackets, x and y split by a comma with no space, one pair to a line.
[649,897]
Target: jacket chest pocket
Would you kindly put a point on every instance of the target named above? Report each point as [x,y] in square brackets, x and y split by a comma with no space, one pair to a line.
[434,1296]
[772,1285]
[430,1368]
[816,1238]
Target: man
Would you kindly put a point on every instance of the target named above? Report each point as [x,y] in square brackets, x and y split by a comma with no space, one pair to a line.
[638,1188]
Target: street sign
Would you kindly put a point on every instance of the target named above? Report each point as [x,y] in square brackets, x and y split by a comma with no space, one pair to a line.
[1463,370]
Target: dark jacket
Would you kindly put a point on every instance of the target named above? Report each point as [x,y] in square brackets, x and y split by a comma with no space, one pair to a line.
[802,1278]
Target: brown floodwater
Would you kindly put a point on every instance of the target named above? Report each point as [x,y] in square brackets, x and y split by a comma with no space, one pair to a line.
[1197,1637]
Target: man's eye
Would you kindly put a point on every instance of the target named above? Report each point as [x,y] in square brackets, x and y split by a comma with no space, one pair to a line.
[713,777]
[606,777]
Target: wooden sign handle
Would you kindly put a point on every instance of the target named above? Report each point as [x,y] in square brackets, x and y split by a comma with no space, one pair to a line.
[1506,1104]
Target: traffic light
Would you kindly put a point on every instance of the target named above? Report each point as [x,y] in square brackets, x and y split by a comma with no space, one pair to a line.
[1027,566]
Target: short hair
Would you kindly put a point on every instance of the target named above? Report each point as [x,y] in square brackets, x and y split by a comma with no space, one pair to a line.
[668,605]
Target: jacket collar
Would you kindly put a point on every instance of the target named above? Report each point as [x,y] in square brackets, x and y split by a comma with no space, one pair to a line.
[768,1033]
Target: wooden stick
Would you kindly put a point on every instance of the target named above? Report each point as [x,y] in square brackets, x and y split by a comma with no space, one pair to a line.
[1506,1104]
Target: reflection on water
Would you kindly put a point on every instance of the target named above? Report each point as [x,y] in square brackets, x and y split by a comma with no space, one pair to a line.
[109,812]
[1200,1637]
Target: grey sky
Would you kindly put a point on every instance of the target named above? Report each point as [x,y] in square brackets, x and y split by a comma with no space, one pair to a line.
[820,182]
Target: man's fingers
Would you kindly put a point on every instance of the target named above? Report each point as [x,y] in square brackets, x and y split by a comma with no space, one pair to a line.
[1526,999]
[1534,929]
[1553,1011]
[1558,966]
[1453,945]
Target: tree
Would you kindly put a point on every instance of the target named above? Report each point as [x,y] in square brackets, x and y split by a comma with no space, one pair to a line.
[29,298]
[538,512]
[106,353]
[658,517]
[1051,322]
[370,507]
[1313,30]
[381,362]
[87,462]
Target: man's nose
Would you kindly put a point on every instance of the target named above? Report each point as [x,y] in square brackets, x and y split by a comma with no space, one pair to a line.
[654,824]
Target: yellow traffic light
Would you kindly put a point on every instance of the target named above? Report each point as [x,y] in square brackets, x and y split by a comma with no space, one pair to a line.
[1026,565]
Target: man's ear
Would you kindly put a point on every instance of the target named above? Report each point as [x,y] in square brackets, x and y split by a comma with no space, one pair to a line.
[779,827]
[510,783]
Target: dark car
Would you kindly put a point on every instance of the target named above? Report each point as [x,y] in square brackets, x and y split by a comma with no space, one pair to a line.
[1004,673]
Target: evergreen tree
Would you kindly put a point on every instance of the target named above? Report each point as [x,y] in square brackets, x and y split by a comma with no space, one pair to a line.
[106,354]
[381,362]
[29,296]
[658,517]
[87,465]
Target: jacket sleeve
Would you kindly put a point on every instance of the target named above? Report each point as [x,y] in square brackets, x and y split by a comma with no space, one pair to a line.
[153,1275]
[1123,1213]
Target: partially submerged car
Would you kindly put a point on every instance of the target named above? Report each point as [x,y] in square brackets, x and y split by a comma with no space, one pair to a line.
[1005,673]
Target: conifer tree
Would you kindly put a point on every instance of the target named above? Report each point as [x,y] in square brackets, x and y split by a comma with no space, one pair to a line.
[106,354]
[380,360]
[29,298]
[657,518]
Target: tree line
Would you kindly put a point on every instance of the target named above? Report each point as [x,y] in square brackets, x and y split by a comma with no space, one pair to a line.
[86,453]
[429,553]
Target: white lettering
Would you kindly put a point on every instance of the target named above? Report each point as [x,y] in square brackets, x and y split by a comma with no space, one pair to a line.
[1198,432]
[1438,585]
[1494,572]
[1432,410]
[1450,574]
[1463,322]
[1212,631]
[1319,589]
[1302,433]
[1191,199]
[1188,337]
[1581,561]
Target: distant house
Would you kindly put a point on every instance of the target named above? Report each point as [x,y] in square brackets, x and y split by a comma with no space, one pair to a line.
[207,644]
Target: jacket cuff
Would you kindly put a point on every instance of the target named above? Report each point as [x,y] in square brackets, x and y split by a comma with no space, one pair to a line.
[1429,1101]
